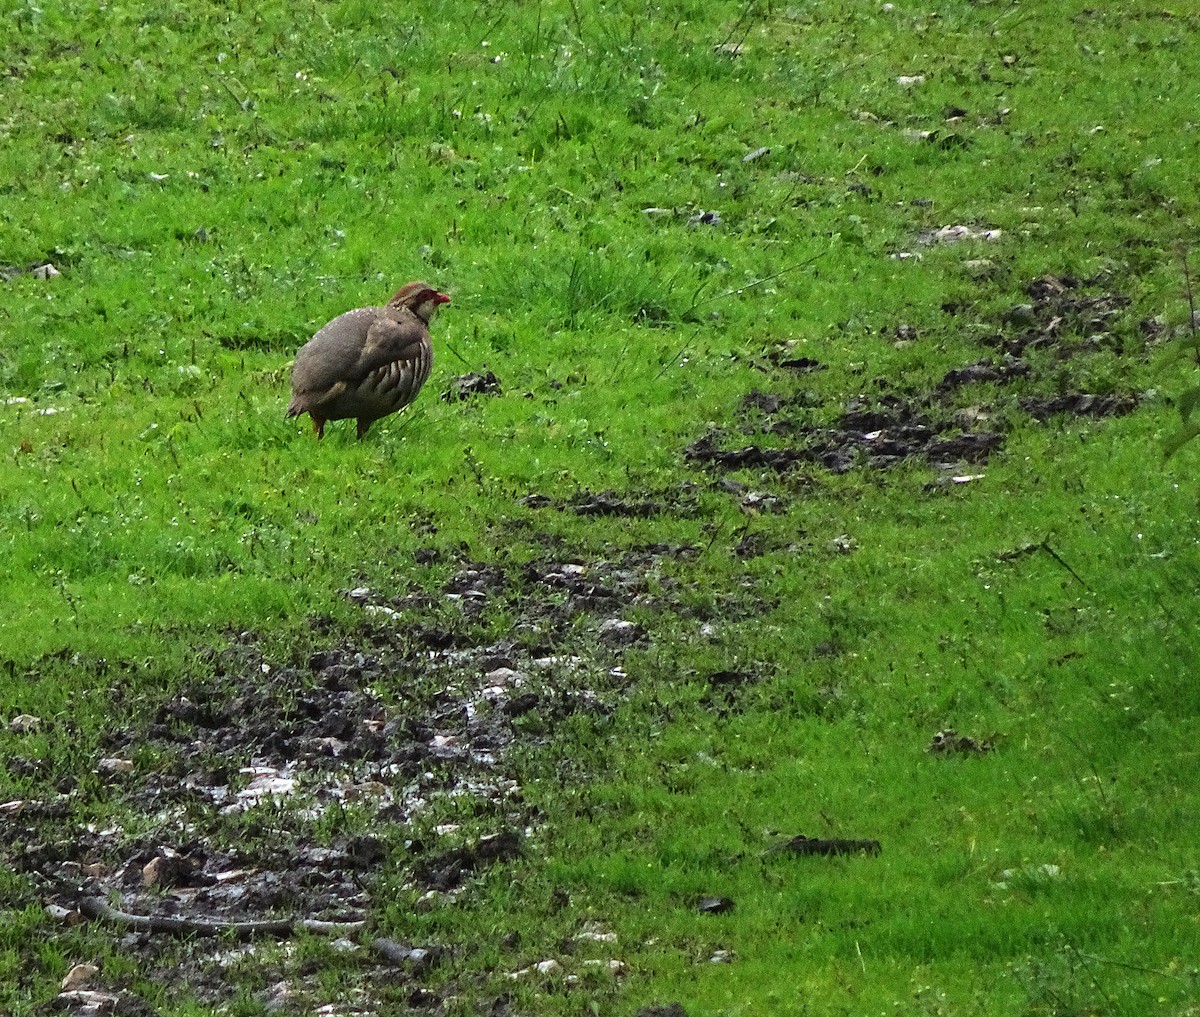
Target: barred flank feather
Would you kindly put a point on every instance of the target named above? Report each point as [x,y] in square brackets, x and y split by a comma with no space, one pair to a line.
[396,384]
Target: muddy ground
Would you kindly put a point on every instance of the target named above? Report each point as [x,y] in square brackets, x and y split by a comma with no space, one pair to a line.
[230,787]
[404,724]
[884,425]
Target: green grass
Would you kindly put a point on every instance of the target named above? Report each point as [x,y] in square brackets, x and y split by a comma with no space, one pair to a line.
[215,181]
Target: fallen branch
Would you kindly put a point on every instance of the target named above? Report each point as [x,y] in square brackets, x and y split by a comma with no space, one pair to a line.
[95,907]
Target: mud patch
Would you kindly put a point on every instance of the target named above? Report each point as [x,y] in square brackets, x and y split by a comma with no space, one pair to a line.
[881,427]
[984,371]
[296,791]
[286,794]
[1060,316]
[1079,405]
[874,434]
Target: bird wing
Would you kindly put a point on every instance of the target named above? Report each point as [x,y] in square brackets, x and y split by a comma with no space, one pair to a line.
[396,336]
[331,356]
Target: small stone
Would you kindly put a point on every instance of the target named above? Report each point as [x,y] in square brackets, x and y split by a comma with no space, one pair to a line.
[721,957]
[614,966]
[596,937]
[444,744]
[158,871]
[24,723]
[957,233]
[759,501]
[113,765]
[78,977]
[167,868]
[843,544]
[416,959]
[546,967]
[46,271]
[88,1002]
[714,905]
[617,630]
[278,997]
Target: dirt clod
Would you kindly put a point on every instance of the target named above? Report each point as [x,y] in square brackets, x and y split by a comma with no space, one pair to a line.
[670,1010]
[714,905]
[802,845]
[468,385]
[950,742]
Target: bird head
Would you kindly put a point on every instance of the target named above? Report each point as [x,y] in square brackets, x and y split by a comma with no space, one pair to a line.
[420,298]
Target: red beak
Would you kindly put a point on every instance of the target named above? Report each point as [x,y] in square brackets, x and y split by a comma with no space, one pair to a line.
[441,298]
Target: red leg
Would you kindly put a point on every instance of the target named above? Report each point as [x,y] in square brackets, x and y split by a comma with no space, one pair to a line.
[318,426]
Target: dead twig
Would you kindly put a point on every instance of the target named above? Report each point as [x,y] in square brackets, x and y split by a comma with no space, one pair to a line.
[465,363]
[757,282]
[1044,546]
[98,908]
[746,18]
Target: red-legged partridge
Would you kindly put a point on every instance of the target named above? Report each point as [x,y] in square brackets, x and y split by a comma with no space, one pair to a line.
[368,362]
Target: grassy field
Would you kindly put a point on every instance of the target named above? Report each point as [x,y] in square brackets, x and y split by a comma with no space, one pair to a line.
[824,496]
